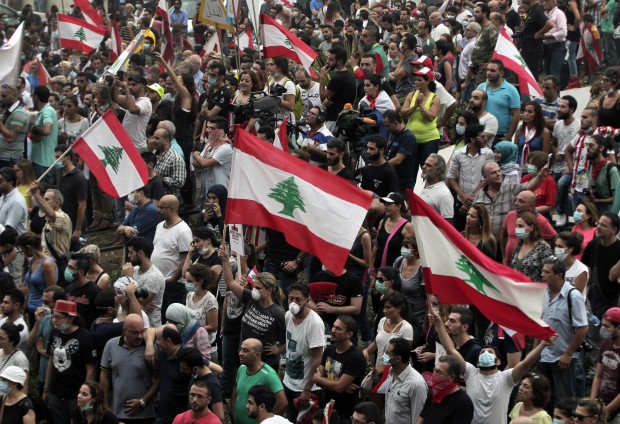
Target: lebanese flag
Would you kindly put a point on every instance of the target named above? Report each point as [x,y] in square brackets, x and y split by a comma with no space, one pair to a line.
[112,157]
[90,14]
[44,76]
[279,41]
[459,273]
[116,45]
[281,140]
[213,45]
[78,34]
[162,11]
[590,47]
[244,40]
[506,51]
[444,6]
[318,212]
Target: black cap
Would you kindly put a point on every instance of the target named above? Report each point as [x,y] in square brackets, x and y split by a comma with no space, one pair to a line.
[393,198]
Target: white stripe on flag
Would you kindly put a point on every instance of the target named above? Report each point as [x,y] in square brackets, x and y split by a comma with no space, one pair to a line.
[328,217]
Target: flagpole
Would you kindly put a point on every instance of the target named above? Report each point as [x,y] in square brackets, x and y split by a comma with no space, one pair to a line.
[53,165]
[219,40]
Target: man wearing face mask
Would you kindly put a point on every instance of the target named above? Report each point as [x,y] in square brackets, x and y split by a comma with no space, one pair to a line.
[488,387]
[147,276]
[305,340]
[80,290]
[605,384]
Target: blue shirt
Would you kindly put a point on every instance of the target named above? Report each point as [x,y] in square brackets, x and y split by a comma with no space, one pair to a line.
[500,102]
[179,17]
[145,219]
[549,109]
[316,5]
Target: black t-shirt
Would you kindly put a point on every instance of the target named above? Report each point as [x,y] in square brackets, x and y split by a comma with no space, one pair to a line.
[157,187]
[277,247]
[470,350]
[381,180]
[512,19]
[535,21]
[348,287]
[85,298]
[70,353]
[221,98]
[173,388]
[343,173]
[456,408]
[343,87]
[16,413]
[104,331]
[37,223]
[215,389]
[74,188]
[405,143]
[184,123]
[108,418]
[603,293]
[350,362]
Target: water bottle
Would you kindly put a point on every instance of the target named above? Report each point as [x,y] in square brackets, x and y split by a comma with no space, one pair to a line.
[594,320]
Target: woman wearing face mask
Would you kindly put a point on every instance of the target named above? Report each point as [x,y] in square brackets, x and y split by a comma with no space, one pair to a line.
[199,282]
[394,56]
[547,191]
[585,217]
[410,271]
[464,119]
[534,395]
[567,245]
[91,407]
[532,135]
[10,354]
[531,249]
[387,282]
[263,304]
[563,411]
[405,81]
[193,334]
[589,411]
[203,250]
[507,156]
[17,407]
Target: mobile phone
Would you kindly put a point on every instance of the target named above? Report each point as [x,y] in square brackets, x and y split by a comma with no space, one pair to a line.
[549,157]
[120,75]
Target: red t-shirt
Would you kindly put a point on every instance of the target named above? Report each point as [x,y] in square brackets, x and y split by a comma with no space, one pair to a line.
[186,418]
[609,358]
[546,192]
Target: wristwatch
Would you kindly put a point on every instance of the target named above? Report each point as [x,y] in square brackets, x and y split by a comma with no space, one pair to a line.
[142,403]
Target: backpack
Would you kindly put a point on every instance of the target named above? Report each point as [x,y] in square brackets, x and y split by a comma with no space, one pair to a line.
[299,103]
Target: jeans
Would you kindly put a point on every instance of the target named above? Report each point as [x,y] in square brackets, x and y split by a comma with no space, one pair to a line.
[533,60]
[423,151]
[284,279]
[572,58]
[554,59]
[230,362]
[609,49]
[61,408]
[563,380]
[577,198]
[564,182]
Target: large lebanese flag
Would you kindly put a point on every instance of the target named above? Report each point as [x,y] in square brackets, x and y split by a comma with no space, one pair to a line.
[590,47]
[162,11]
[116,45]
[78,34]
[279,41]
[459,273]
[318,212]
[213,45]
[243,40]
[90,14]
[506,51]
[112,157]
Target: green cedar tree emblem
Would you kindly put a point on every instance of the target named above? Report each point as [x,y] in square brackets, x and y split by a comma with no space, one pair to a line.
[521,60]
[287,193]
[475,277]
[113,157]
[80,34]
[288,44]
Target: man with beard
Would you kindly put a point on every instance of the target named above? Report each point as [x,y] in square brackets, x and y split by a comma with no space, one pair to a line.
[261,401]
[503,100]
[309,90]
[603,176]
[318,135]
[328,34]
[14,120]
[478,104]
[576,157]
[400,149]
[513,20]
[564,131]
[485,43]
[550,100]
[536,25]
[435,192]
[379,176]
[13,211]
[335,165]
[199,413]
[370,44]
[341,87]
[138,107]
[147,276]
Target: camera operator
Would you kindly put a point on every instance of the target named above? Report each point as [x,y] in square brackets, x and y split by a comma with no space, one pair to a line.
[315,139]
[277,68]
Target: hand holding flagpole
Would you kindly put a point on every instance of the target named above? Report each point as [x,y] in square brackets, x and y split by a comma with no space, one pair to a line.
[53,165]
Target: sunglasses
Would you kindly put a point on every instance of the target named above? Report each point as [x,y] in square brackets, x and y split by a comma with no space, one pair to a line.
[579,417]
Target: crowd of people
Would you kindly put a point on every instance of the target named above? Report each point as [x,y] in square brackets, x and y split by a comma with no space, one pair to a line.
[187,332]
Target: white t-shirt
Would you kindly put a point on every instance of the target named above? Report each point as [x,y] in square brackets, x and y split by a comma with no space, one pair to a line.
[490,393]
[490,125]
[404,330]
[276,419]
[154,282]
[574,271]
[135,125]
[168,244]
[218,174]
[299,340]
[312,94]
[201,308]
[439,197]
[445,101]
[564,134]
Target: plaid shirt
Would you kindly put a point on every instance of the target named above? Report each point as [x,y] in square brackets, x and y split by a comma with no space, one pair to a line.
[171,168]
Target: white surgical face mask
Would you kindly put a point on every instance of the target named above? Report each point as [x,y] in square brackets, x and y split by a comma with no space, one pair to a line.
[255,294]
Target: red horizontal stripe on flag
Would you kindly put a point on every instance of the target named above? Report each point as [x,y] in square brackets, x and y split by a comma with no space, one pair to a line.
[75,21]
[452,290]
[332,256]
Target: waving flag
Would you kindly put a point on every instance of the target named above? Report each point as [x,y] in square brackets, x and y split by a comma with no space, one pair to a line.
[90,14]
[213,45]
[112,157]
[9,57]
[273,189]
[243,40]
[116,45]
[459,273]
[506,51]
[78,34]
[120,63]
[279,41]
[590,46]
[162,11]
[281,140]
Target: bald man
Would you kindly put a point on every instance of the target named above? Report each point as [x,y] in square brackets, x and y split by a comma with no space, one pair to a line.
[196,62]
[494,6]
[123,359]
[438,28]
[524,202]
[171,244]
[254,371]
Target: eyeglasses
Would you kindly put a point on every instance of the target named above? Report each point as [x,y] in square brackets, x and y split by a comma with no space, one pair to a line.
[579,417]
[58,317]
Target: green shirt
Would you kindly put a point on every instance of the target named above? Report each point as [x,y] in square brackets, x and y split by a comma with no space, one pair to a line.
[604,187]
[607,24]
[377,49]
[43,151]
[266,375]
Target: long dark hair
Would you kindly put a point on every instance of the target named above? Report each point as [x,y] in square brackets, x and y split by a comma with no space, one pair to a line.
[97,394]
[539,118]
[188,82]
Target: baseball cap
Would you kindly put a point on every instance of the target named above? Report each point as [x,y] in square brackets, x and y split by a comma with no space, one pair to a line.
[393,198]
[613,315]
[66,307]
[428,73]
[423,61]
[14,374]
[158,89]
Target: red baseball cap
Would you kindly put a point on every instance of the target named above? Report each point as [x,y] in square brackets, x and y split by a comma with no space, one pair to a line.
[428,73]
[613,315]
[423,61]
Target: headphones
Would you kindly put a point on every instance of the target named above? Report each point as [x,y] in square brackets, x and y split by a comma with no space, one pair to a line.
[320,117]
